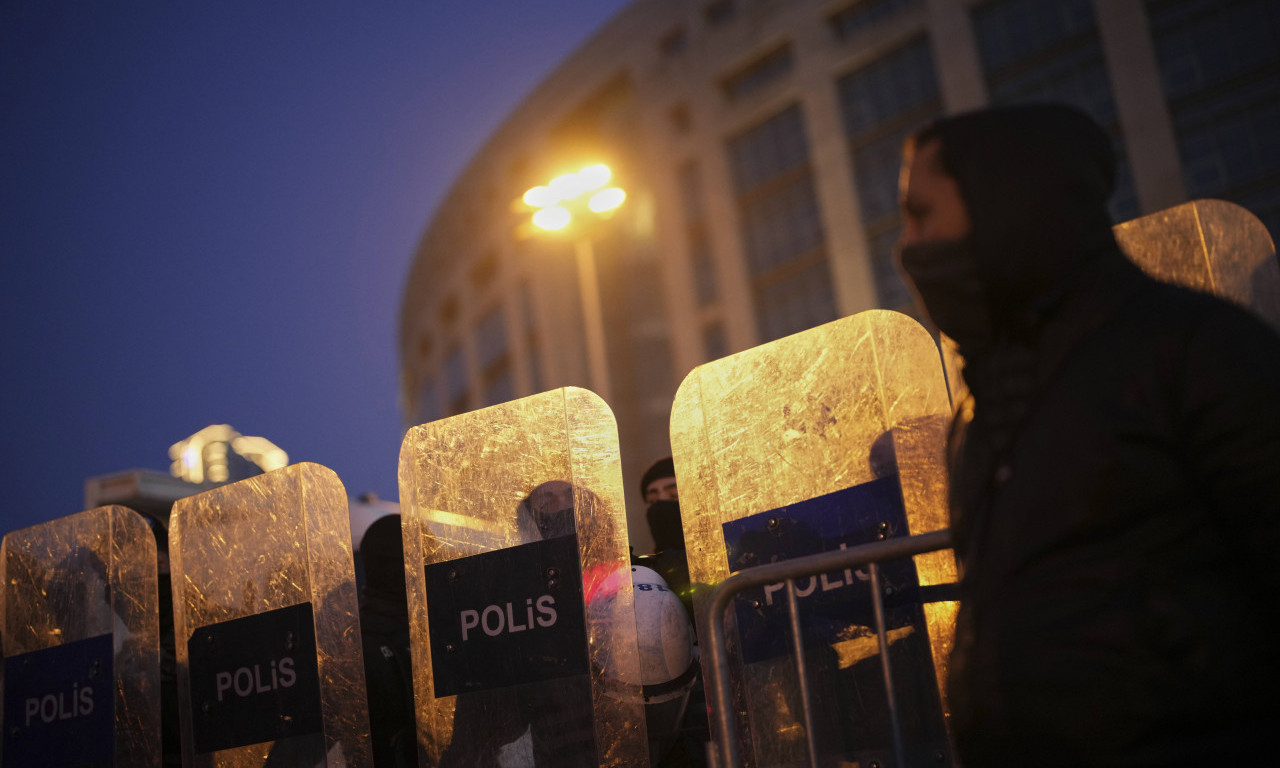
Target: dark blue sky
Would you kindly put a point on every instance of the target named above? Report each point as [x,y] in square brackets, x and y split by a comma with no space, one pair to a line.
[207,211]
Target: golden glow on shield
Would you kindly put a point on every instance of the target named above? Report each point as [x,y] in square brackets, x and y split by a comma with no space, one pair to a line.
[823,410]
[269,542]
[606,199]
[80,577]
[463,483]
[551,219]
[1212,246]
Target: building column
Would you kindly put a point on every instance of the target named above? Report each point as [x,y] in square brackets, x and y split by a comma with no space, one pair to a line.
[955,56]
[848,258]
[1139,96]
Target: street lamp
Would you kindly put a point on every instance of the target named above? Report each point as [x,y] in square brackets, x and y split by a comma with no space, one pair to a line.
[556,206]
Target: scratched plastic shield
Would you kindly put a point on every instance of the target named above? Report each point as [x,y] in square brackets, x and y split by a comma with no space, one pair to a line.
[834,436]
[1212,246]
[80,606]
[1209,245]
[267,563]
[511,512]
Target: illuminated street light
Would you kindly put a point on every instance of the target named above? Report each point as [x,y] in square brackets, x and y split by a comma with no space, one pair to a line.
[556,205]
[553,218]
[540,197]
[606,199]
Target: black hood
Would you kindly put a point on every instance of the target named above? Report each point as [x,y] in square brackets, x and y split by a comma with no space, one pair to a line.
[1035,180]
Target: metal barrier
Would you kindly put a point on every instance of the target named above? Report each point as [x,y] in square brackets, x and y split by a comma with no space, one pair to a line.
[717,666]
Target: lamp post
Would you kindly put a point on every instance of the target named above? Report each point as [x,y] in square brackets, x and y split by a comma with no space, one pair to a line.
[575,196]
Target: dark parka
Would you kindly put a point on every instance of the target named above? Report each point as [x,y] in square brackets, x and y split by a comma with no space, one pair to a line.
[1115,475]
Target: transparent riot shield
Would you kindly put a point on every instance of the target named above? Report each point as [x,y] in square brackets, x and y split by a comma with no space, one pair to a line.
[820,441]
[519,583]
[81,642]
[270,668]
[1210,245]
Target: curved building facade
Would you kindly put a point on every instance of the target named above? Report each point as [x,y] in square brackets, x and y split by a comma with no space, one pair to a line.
[758,143]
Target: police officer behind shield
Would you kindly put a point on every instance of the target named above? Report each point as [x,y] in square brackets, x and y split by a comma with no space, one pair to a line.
[384,627]
[1115,471]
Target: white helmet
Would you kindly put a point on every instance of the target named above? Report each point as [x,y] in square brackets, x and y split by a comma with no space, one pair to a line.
[668,660]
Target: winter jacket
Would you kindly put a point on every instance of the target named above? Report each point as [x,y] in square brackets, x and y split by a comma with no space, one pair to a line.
[1115,479]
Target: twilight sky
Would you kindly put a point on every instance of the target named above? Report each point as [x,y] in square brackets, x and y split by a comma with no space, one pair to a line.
[207,211]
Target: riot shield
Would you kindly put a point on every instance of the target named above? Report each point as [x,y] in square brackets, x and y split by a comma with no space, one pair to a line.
[270,669]
[519,584]
[81,642]
[819,441]
[1209,245]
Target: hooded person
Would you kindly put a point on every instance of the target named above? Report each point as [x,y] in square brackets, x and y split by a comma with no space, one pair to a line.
[1115,468]
[384,626]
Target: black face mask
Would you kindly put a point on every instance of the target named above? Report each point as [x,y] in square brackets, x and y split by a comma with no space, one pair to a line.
[945,277]
[663,517]
[554,524]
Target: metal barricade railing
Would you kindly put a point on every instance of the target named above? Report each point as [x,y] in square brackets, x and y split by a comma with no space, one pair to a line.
[717,667]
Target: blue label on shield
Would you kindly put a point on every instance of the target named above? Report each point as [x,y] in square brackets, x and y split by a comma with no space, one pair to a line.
[507,618]
[59,706]
[832,605]
[254,679]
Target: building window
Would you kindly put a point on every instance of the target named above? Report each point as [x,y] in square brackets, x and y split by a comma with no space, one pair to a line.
[704,267]
[864,14]
[449,311]
[455,380]
[674,42]
[485,270]
[681,118]
[500,389]
[495,359]
[714,343]
[781,225]
[691,196]
[1035,51]
[533,352]
[491,338]
[768,69]
[720,12]
[697,235]
[1220,67]
[882,103]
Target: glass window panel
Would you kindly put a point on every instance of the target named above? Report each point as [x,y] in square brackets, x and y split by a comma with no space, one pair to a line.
[797,302]
[770,68]
[865,14]
[491,338]
[769,150]
[500,388]
[893,84]
[1036,52]
[714,342]
[719,12]
[781,223]
[891,289]
[691,192]
[1220,68]
[455,375]
[883,103]
[704,268]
